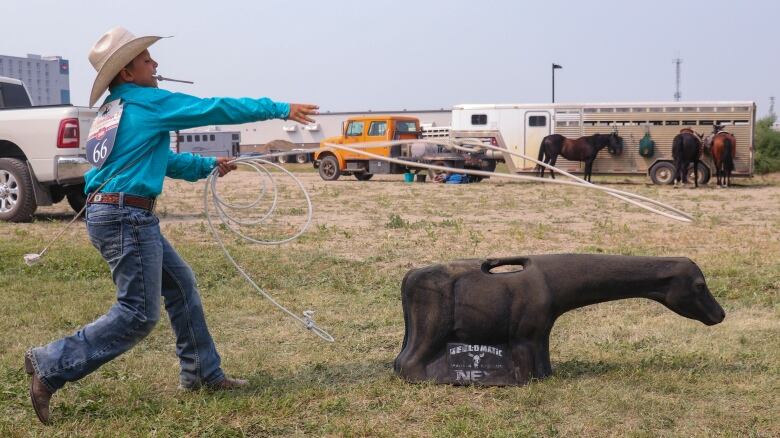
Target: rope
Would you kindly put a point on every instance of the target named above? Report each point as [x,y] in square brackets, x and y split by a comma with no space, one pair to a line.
[221,207]
[678,215]
[261,165]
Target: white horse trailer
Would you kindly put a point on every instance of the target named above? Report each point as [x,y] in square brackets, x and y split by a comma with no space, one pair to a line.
[207,143]
[523,127]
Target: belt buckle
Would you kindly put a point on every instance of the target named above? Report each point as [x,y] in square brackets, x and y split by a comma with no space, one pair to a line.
[97,198]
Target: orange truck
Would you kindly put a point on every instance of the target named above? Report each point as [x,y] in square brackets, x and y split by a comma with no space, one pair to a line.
[332,162]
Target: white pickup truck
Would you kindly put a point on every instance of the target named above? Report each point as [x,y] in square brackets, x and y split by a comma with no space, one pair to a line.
[42,153]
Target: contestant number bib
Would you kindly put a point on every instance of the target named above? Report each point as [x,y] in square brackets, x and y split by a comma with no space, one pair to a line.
[102,134]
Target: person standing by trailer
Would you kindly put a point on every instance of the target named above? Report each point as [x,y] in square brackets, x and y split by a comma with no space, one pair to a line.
[121,223]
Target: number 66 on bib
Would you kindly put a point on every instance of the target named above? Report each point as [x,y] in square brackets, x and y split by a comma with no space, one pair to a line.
[102,134]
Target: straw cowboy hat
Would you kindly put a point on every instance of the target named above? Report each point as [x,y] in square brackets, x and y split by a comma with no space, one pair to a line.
[111,53]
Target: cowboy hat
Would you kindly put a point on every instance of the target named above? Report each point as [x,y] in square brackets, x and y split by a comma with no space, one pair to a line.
[111,53]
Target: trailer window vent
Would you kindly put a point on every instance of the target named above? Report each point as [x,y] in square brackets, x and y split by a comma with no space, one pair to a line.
[707,109]
[638,110]
[705,122]
[479,119]
[672,122]
[590,110]
[623,110]
[656,122]
[537,121]
[689,122]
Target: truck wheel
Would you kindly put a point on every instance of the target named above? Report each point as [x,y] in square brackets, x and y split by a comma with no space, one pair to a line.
[17,200]
[662,173]
[364,176]
[329,168]
[76,198]
[282,159]
[301,159]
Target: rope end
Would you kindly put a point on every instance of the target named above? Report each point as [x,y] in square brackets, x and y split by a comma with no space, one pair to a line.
[32,259]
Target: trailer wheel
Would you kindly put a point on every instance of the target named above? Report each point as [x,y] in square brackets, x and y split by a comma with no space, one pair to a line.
[301,158]
[17,200]
[329,168]
[662,173]
[282,159]
[704,174]
[364,176]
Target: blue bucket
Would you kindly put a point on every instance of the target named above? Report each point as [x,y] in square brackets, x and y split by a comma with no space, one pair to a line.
[409,177]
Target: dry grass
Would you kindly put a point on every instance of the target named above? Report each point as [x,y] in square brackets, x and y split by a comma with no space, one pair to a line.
[621,368]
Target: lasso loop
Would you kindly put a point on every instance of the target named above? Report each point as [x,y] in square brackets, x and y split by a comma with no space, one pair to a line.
[261,165]
[474,145]
[270,189]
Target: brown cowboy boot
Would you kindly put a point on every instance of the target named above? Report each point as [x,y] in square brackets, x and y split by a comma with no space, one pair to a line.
[226,384]
[39,393]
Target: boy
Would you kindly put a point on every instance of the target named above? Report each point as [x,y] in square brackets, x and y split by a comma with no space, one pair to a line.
[122,225]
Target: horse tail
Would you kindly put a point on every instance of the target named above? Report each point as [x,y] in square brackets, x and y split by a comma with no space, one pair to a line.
[728,159]
[542,150]
[677,146]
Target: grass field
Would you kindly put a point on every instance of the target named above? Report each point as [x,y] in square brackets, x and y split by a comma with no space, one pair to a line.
[625,368]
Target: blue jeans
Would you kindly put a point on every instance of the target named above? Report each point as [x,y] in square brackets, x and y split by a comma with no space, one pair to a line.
[143,266]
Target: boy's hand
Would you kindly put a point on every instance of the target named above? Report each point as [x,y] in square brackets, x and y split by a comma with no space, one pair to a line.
[300,112]
[225,166]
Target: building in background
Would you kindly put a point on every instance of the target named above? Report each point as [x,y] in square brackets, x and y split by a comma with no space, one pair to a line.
[47,78]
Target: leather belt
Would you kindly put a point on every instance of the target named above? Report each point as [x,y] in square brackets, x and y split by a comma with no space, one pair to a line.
[114,199]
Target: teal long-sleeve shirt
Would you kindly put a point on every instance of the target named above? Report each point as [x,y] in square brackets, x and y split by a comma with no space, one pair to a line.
[149,115]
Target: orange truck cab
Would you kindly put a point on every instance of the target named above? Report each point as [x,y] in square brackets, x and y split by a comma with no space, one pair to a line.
[332,162]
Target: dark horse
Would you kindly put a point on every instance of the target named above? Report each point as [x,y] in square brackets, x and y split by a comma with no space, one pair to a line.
[686,149]
[723,150]
[582,149]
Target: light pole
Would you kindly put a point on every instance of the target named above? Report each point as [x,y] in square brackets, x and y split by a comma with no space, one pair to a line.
[554,67]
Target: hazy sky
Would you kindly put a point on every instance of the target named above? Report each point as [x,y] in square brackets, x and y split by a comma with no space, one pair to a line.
[387,55]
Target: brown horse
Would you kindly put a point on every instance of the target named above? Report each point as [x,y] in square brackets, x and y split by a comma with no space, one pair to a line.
[686,149]
[582,149]
[723,150]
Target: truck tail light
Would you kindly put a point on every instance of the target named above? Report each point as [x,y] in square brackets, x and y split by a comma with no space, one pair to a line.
[68,134]
[493,141]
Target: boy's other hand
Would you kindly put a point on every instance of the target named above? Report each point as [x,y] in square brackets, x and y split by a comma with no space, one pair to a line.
[225,166]
[300,112]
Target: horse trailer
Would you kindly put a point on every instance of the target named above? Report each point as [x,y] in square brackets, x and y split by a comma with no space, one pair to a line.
[207,143]
[523,127]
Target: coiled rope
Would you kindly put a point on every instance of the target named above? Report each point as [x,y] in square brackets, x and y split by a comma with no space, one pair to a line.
[268,189]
